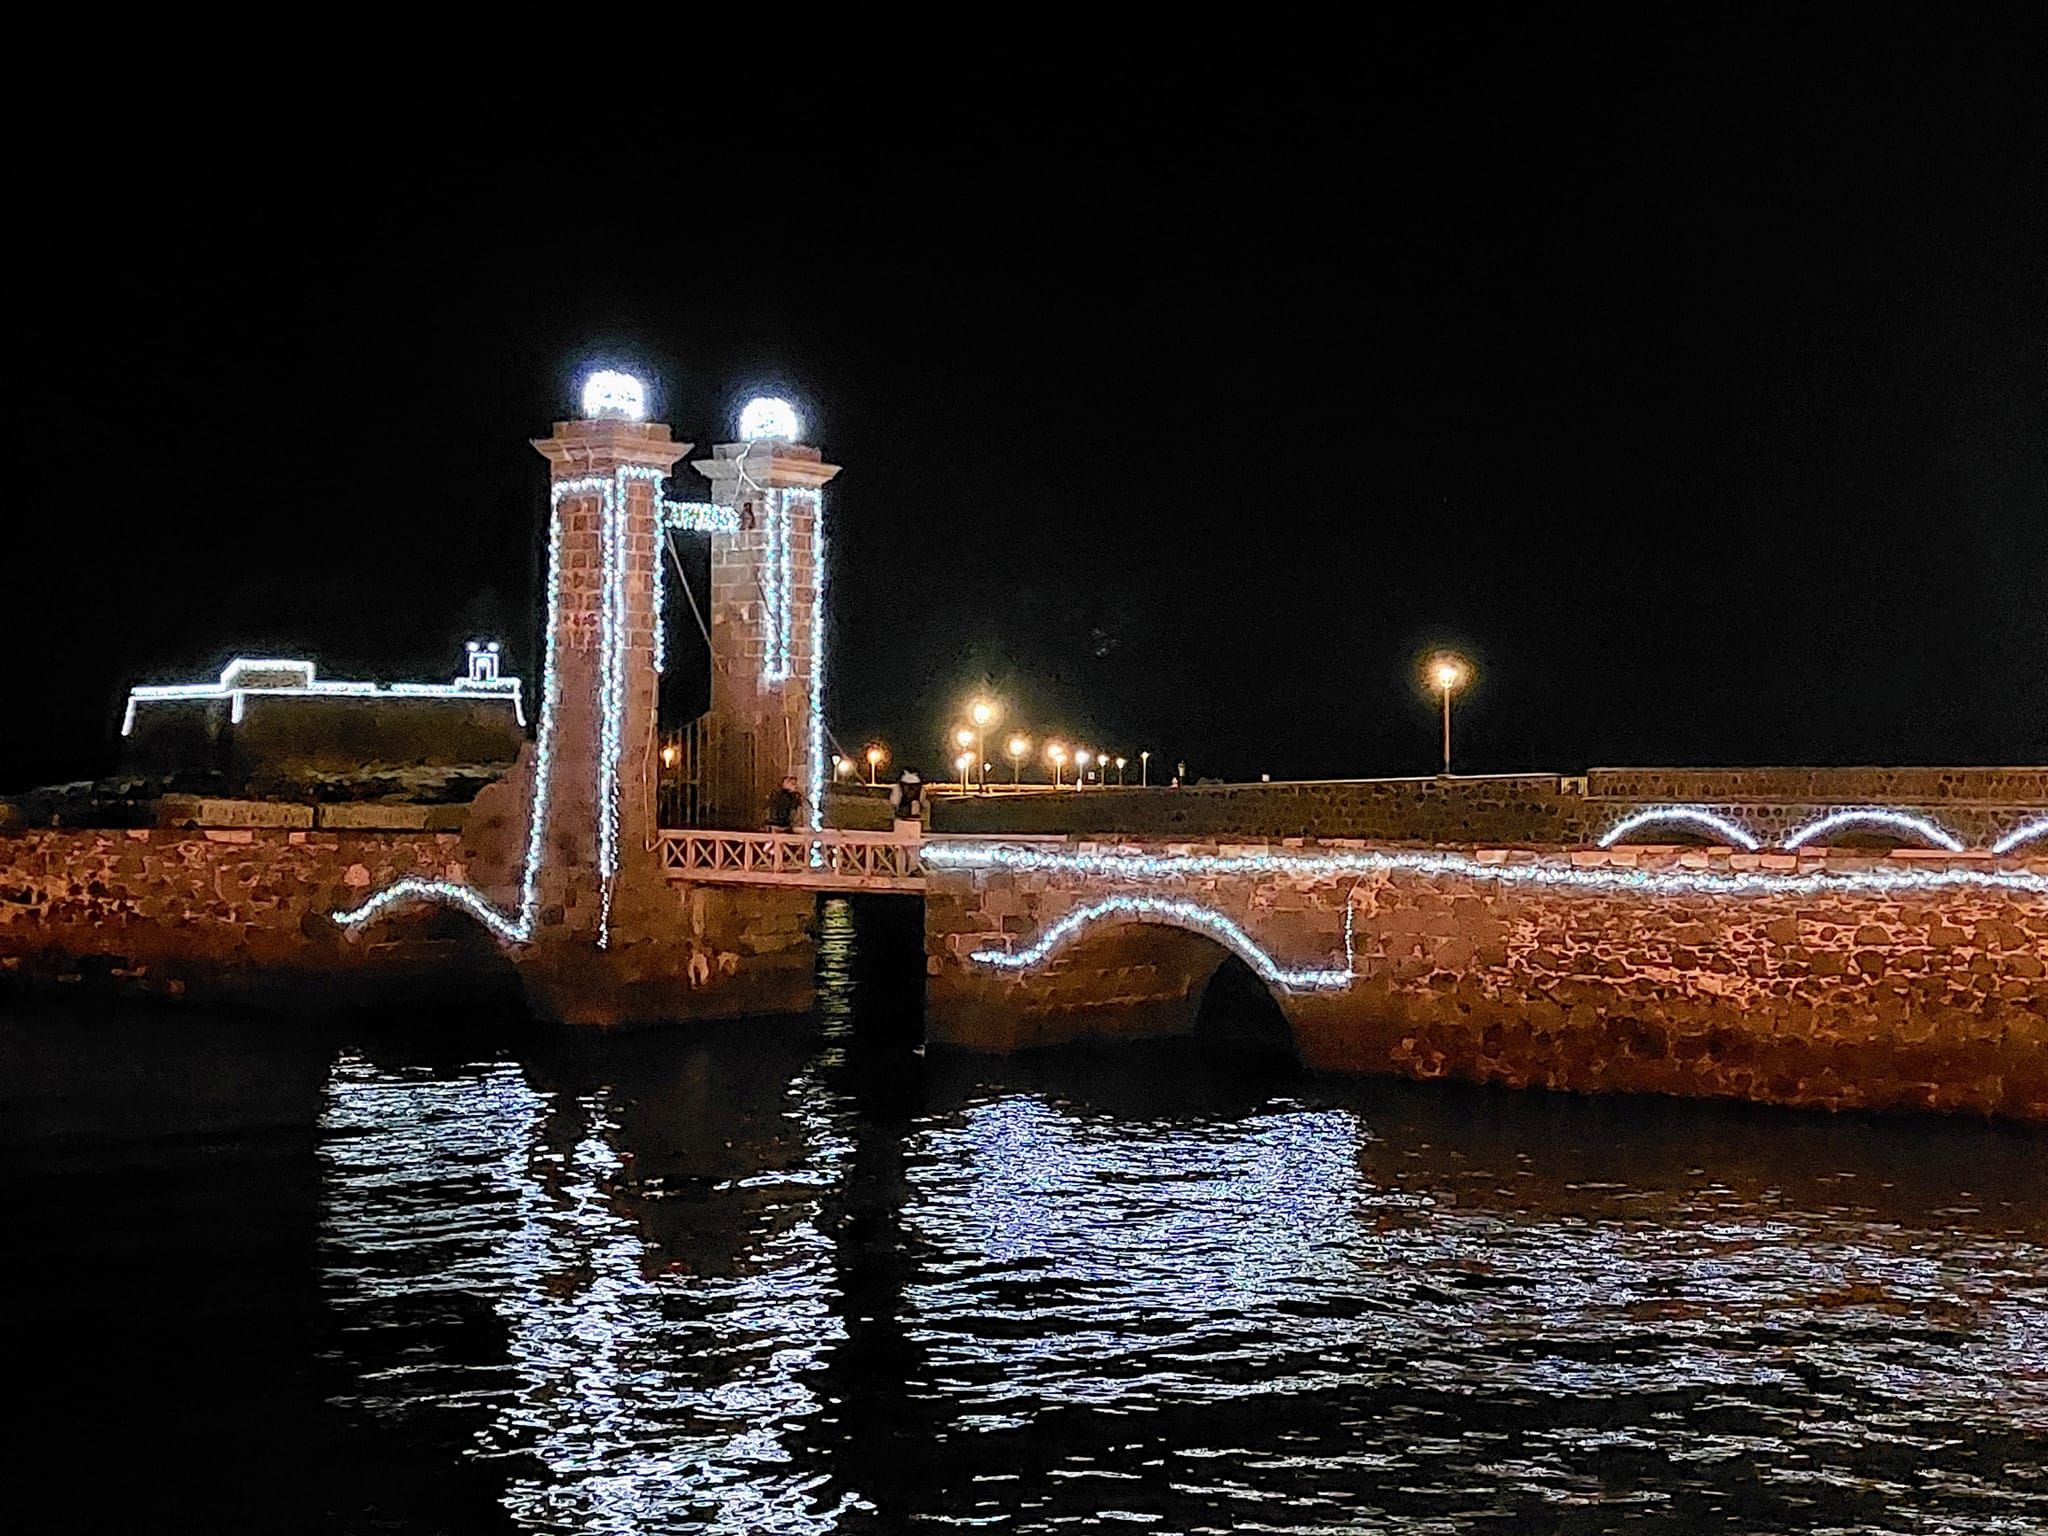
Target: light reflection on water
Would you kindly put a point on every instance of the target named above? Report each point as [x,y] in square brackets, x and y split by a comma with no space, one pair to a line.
[788,1278]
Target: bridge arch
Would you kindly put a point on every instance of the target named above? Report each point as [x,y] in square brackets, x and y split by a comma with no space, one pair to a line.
[1134,967]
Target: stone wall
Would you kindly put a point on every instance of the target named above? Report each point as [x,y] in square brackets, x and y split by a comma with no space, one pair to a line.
[1929,999]
[1522,808]
[241,911]
[244,914]
[1823,786]
[1978,805]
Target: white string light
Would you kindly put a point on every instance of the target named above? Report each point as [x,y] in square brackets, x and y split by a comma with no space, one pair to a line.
[816,702]
[2019,835]
[1691,814]
[1184,914]
[699,517]
[313,686]
[1919,826]
[516,928]
[949,854]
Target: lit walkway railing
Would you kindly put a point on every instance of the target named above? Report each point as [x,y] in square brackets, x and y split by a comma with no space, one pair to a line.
[826,861]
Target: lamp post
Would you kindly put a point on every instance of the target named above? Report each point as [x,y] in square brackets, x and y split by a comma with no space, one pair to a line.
[1119,773]
[964,762]
[876,752]
[1057,756]
[1448,673]
[1145,769]
[1019,745]
[983,712]
[1081,760]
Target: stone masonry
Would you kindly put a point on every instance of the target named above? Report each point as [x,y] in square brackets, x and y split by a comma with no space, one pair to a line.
[1918,1000]
[1977,804]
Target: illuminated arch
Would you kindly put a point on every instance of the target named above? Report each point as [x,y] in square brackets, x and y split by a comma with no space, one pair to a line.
[1691,815]
[1899,821]
[1173,913]
[2024,834]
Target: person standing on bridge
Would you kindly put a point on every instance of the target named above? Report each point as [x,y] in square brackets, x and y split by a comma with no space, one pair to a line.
[783,806]
[908,799]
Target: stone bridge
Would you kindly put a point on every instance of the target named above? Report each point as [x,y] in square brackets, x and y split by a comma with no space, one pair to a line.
[1835,977]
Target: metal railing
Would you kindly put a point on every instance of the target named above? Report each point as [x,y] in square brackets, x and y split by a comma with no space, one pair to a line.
[828,861]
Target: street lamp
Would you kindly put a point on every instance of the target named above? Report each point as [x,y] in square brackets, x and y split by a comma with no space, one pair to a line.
[1019,745]
[1447,672]
[1082,757]
[876,753]
[983,712]
[964,762]
[1145,768]
[1057,756]
[1119,773]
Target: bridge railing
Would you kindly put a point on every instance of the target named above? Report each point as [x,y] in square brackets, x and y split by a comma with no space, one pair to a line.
[829,860]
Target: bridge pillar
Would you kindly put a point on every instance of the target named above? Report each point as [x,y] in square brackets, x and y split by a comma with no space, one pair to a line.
[766,622]
[598,730]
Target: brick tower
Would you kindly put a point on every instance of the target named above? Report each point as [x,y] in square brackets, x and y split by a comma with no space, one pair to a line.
[766,620]
[596,738]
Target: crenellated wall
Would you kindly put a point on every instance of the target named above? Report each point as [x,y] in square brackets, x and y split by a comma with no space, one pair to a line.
[1779,988]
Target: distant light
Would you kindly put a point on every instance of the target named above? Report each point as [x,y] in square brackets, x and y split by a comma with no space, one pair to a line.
[1019,746]
[1448,671]
[609,394]
[963,737]
[765,416]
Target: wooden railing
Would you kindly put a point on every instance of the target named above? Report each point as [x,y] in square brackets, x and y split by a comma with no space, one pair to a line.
[827,861]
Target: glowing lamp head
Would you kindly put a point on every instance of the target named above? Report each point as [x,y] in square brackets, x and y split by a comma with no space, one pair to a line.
[875,756]
[963,737]
[1056,752]
[1019,746]
[609,395]
[964,761]
[983,711]
[765,417]
[1448,672]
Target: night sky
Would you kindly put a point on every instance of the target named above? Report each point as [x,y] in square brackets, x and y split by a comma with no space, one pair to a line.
[1694,383]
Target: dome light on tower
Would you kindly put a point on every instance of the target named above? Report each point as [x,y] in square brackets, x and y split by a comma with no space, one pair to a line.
[765,416]
[611,395]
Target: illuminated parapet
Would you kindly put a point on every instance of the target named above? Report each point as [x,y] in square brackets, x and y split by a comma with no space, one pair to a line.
[277,715]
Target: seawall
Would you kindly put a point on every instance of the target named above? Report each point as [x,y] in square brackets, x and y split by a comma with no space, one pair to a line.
[1530,967]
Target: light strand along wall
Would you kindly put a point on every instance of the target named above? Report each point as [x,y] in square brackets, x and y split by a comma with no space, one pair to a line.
[1918,996]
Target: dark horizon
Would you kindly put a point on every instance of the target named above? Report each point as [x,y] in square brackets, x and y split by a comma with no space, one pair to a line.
[1696,389]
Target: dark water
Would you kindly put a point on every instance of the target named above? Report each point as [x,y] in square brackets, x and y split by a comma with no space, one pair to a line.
[420,1276]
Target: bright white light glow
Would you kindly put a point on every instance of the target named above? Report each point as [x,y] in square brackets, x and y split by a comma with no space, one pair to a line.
[1898,821]
[1690,814]
[2019,835]
[1119,864]
[699,517]
[1174,913]
[608,393]
[766,416]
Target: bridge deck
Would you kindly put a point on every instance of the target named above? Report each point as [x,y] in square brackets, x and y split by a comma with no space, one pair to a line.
[824,861]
